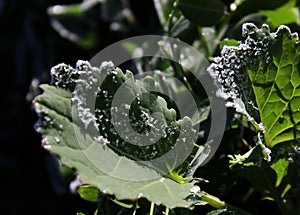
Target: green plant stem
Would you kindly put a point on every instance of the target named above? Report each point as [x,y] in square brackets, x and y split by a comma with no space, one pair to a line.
[213,201]
[170,20]
[167,211]
[218,204]
[151,208]
[136,207]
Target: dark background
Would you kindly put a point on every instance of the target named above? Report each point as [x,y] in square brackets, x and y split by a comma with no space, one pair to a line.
[30,180]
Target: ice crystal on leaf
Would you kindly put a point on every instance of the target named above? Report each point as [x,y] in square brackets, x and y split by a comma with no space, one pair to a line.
[230,70]
[123,126]
[259,78]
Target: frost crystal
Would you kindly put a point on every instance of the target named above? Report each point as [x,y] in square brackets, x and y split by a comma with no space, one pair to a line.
[229,70]
[139,124]
[266,150]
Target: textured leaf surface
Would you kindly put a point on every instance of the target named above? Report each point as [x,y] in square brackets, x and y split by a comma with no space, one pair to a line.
[95,161]
[261,79]
[277,89]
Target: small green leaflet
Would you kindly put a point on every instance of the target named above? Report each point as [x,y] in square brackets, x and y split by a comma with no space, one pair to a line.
[281,169]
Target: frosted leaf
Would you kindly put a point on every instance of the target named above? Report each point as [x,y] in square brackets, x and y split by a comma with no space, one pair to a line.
[229,70]
[148,127]
[102,140]
[82,98]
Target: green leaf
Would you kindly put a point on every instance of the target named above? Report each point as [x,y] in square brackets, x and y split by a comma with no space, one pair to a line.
[244,7]
[89,193]
[240,159]
[265,83]
[286,14]
[276,87]
[65,19]
[122,204]
[180,26]
[229,42]
[281,169]
[199,11]
[98,162]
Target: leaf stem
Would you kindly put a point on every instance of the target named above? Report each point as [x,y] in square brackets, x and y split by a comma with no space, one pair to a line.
[213,200]
[151,208]
[170,21]
[218,204]
[167,211]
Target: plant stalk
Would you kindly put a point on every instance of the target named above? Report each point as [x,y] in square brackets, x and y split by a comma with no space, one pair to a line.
[151,208]
[219,204]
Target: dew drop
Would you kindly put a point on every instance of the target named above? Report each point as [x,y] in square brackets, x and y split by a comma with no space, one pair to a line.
[193,198]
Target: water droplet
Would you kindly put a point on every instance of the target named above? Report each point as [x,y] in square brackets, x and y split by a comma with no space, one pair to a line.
[193,198]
